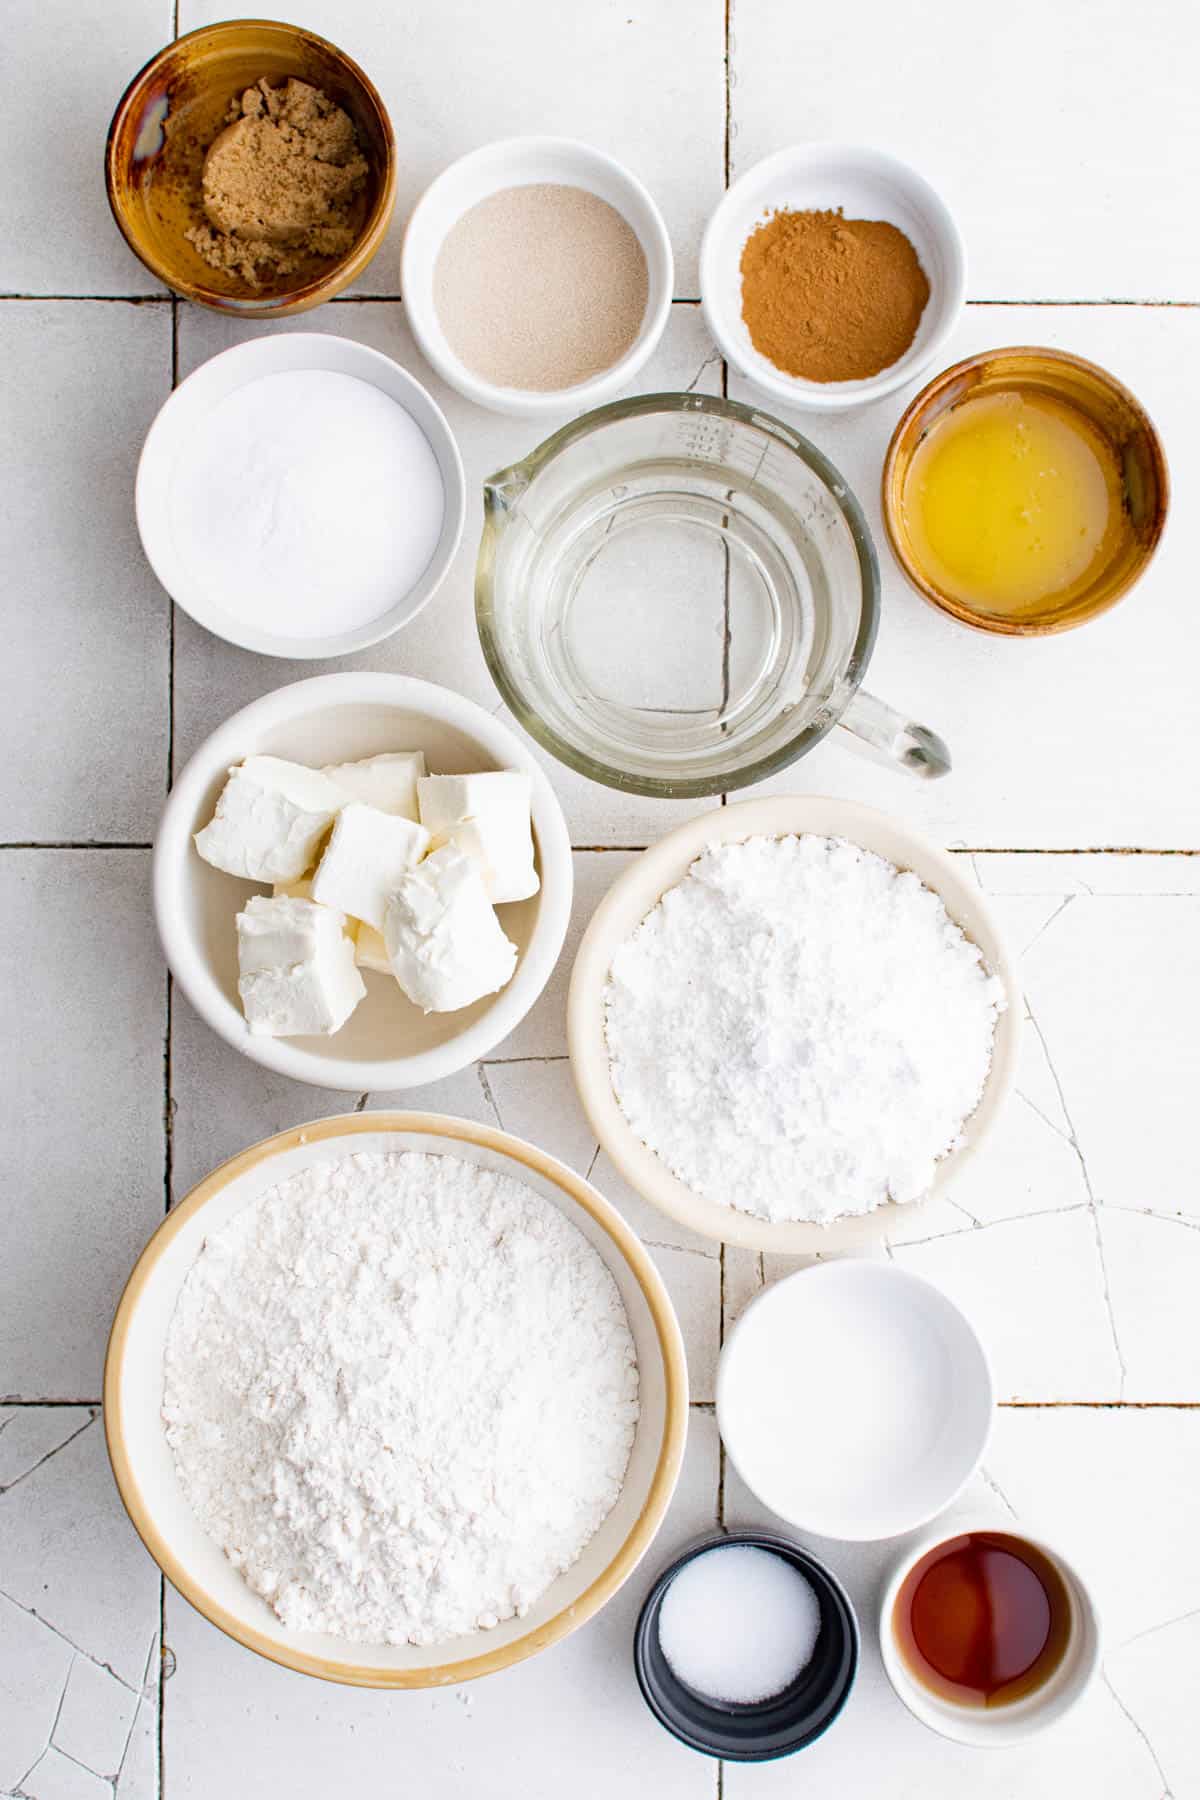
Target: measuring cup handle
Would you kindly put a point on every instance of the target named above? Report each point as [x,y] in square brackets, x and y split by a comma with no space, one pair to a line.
[913,746]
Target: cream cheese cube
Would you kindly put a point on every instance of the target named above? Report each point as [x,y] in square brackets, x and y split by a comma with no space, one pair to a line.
[487,817]
[270,820]
[370,950]
[446,945]
[387,782]
[367,853]
[296,973]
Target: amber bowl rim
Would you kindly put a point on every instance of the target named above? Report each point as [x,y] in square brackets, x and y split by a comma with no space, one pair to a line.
[309,293]
[923,402]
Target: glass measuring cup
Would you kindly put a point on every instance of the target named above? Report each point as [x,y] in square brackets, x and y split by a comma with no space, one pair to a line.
[677,595]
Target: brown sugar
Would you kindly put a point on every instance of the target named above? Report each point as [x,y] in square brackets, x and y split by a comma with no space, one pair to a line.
[829,298]
[279,183]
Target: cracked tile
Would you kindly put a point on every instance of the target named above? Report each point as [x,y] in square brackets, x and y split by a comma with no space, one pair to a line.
[34,1665]
[537,1100]
[69,1554]
[32,1434]
[139,1775]
[1033,1288]
[1153,1279]
[95,1718]
[1144,1677]
[57,1777]
[570,1720]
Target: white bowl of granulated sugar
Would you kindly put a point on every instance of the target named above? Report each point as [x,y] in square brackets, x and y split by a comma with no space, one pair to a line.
[395,1399]
[810,1040]
[537,276]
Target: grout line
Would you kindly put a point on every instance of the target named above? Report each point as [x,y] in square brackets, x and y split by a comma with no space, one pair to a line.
[15,1400]
[1011,1405]
[1113,300]
[162,1674]
[73,844]
[728,88]
[95,299]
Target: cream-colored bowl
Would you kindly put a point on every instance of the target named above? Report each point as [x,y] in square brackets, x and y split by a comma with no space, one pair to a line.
[640,888]
[387,1043]
[145,1469]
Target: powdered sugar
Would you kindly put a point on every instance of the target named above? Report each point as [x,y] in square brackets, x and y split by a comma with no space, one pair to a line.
[401,1393]
[799,1029]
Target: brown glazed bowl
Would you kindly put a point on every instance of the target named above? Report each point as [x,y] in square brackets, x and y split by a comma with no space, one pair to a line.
[169,115]
[1116,413]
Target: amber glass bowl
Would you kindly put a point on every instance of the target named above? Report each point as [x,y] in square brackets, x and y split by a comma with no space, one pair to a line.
[169,115]
[1112,409]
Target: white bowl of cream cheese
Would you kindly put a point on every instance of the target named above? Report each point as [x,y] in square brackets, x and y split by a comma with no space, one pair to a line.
[388,1043]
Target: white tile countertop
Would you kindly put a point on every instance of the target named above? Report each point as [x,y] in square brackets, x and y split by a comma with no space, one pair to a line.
[1065,139]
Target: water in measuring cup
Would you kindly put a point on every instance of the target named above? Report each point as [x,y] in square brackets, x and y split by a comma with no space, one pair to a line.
[679,608]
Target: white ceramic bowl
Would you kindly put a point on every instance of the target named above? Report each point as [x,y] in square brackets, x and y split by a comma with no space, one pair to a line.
[1021,1719]
[639,889]
[854,1399]
[200,591]
[866,184]
[387,1043]
[519,162]
[145,1469]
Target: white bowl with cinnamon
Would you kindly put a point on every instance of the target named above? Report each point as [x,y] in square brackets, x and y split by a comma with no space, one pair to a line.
[831,274]
[537,276]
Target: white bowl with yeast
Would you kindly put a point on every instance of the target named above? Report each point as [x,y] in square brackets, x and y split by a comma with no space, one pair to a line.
[255,614]
[866,184]
[387,1043]
[524,162]
[144,1465]
[638,891]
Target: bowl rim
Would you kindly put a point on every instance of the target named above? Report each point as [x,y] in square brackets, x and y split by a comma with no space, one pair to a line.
[344,269]
[641,886]
[750,1538]
[928,1294]
[976,1726]
[189,966]
[531,403]
[667,1330]
[281,353]
[890,498]
[813,396]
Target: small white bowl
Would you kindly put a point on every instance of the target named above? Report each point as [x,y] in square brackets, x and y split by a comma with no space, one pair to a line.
[996,1725]
[204,594]
[854,1399]
[638,891]
[145,1468]
[520,162]
[387,1043]
[866,184]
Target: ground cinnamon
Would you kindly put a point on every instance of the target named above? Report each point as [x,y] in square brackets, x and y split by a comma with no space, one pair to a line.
[830,298]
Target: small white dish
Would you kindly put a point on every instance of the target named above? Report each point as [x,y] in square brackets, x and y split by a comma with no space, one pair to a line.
[204,594]
[866,184]
[145,1468]
[1021,1719]
[854,1399]
[519,162]
[638,891]
[387,1043]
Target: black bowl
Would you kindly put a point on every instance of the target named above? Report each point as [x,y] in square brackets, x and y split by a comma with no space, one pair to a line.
[768,1728]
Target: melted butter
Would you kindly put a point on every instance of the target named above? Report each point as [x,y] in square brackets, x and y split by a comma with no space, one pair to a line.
[1013,504]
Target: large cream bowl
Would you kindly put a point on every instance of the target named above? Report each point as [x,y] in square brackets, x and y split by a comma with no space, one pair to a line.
[145,1469]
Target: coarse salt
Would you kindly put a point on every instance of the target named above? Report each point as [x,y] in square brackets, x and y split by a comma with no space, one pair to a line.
[799,1029]
[739,1624]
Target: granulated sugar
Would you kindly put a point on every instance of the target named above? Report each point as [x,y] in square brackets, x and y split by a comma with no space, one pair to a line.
[401,1393]
[540,287]
[738,1624]
[799,1029]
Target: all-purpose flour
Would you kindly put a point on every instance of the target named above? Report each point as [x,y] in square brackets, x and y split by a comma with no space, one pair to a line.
[799,1029]
[401,1393]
